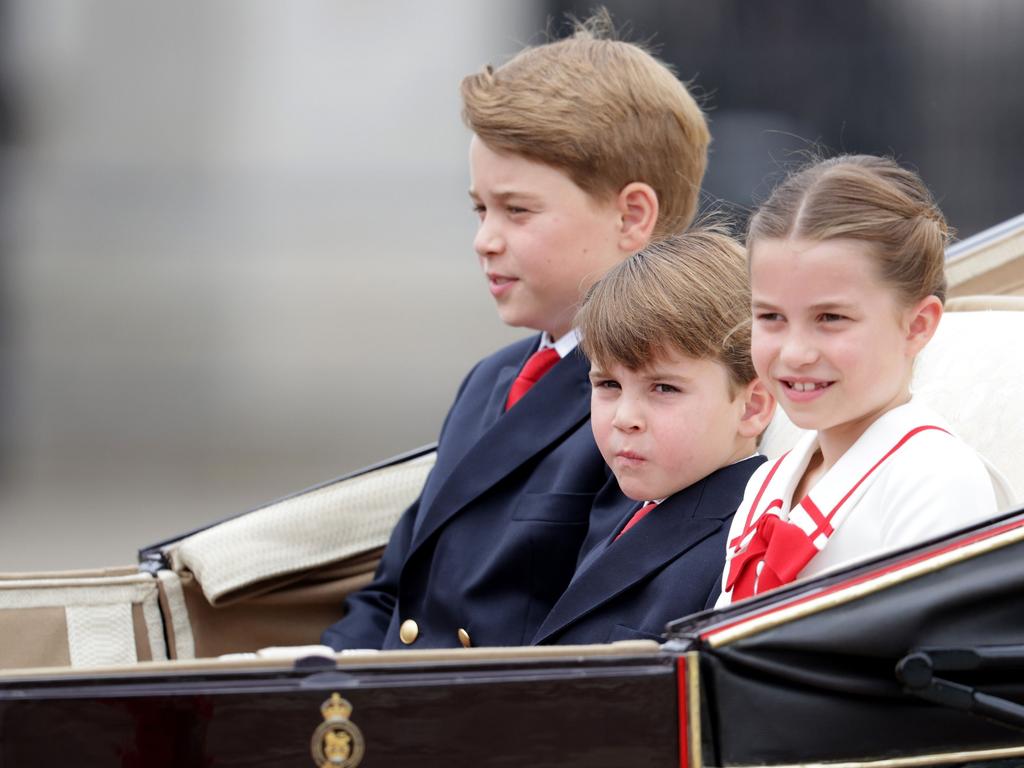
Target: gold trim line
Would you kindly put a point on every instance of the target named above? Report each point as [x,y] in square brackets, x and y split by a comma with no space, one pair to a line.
[940,758]
[693,708]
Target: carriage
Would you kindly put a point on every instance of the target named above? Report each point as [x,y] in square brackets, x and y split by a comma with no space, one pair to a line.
[199,654]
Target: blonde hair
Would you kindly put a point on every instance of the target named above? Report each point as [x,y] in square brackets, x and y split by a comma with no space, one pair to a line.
[604,111]
[866,198]
[688,293]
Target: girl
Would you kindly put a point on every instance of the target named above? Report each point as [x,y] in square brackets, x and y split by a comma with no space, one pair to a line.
[846,269]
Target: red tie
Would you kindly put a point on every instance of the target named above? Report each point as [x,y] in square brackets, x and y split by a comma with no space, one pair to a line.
[540,362]
[639,515]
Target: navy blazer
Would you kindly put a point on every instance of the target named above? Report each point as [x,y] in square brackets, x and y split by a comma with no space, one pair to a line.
[665,567]
[493,539]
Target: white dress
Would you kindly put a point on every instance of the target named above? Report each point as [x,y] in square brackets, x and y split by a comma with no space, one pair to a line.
[905,480]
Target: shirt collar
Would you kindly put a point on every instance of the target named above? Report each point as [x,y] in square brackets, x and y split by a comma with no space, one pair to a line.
[564,345]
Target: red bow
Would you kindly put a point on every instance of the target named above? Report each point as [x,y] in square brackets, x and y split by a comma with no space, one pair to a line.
[781,546]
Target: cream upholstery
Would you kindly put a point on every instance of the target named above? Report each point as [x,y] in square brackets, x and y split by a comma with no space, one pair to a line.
[982,303]
[276,575]
[308,531]
[81,619]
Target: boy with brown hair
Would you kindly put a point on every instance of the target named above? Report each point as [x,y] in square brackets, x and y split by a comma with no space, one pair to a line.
[583,149]
[677,411]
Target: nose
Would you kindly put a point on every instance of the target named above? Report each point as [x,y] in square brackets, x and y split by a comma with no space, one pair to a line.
[628,415]
[488,240]
[798,349]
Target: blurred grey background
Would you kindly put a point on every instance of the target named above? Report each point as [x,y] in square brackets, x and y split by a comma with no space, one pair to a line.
[235,241]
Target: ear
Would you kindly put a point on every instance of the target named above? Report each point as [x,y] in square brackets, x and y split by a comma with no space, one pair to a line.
[922,320]
[638,207]
[758,409]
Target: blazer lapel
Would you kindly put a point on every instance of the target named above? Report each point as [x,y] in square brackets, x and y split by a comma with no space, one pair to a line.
[495,407]
[680,522]
[558,403]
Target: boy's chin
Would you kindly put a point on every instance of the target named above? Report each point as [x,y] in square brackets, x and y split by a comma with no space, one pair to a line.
[638,492]
[516,319]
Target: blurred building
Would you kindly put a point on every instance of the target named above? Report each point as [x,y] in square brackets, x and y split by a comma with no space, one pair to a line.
[237,254]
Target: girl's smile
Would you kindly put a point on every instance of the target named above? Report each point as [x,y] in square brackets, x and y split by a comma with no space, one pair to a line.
[801,390]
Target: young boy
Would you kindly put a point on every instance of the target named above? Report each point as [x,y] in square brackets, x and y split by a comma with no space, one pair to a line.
[583,149]
[676,411]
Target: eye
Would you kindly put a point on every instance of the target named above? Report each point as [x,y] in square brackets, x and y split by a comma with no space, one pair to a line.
[515,210]
[665,388]
[831,317]
[479,209]
[605,384]
[769,317]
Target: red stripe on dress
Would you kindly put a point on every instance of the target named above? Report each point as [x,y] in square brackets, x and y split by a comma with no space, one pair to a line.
[822,522]
[757,500]
[891,451]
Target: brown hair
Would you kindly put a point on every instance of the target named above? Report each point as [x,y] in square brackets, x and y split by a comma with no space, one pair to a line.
[688,293]
[604,111]
[867,198]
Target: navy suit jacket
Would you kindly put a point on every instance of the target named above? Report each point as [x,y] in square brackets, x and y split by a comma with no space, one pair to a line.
[665,567]
[493,539]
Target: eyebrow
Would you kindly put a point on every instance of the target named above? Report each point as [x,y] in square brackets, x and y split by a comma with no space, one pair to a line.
[816,307]
[658,375]
[833,304]
[504,195]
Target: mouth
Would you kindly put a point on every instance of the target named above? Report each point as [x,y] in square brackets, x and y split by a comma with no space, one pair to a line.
[804,390]
[630,457]
[500,284]
[805,386]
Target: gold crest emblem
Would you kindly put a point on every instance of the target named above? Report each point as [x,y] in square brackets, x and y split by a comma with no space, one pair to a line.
[337,742]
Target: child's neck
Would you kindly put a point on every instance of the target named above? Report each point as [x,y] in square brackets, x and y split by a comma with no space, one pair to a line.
[815,469]
[835,441]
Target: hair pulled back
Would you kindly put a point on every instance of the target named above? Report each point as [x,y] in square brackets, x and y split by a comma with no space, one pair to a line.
[866,198]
